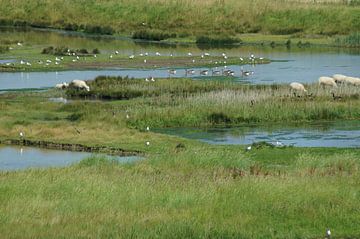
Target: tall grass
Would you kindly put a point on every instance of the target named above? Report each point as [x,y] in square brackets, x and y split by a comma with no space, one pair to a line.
[186,17]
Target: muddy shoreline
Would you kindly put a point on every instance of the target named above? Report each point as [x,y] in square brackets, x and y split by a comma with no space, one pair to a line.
[70,147]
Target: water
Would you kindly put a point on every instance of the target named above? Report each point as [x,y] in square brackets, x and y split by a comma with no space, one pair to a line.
[305,65]
[20,157]
[320,134]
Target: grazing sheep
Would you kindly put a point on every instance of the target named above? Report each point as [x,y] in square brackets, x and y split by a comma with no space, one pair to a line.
[352,80]
[297,87]
[339,78]
[327,81]
[80,84]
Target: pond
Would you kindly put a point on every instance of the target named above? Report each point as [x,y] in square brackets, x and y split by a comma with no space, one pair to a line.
[319,134]
[295,64]
[21,157]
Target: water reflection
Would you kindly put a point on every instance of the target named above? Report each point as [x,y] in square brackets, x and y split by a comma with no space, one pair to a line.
[320,134]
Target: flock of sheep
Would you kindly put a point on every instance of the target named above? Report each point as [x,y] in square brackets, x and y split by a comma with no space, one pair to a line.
[329,81]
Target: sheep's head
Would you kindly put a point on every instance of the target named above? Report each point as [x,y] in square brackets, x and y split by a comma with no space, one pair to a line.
[87,88]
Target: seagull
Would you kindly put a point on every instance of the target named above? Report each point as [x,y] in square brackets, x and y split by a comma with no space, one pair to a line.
[158,54]
[19,44]
[111,56]
[95,56]
[127,116]
[206,54]
[152,79]
[147,143]
[145,61]
[116,52]
[146,79]
[241,59]
[248,148]
[189,54]
[131,57]
[21,134]
[147,128]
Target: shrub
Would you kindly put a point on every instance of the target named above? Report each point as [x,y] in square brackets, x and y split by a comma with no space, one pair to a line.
[152,35]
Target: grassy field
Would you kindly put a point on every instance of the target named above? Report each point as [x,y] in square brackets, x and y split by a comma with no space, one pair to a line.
[193,191]
[159,18]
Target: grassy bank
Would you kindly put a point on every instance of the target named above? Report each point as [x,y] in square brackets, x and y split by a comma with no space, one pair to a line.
[186,18]
[184,102]
[194,190]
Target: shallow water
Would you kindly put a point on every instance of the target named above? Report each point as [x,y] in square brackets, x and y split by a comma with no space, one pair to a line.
[20,157]
[297,64]
[320,134]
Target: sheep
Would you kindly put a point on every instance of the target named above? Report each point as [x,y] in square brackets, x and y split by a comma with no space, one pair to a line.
[327,81]
[297,87]
[62,85]
[352,80]
[339,78]
[80,84]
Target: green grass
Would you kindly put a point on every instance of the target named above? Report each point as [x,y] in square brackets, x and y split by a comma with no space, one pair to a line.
[188,18]
[194,191]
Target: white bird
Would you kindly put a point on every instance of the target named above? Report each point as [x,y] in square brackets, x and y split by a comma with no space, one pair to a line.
[241,59]
[145,61]
[152,79]
[131,57]
[77,57]
[19,44]
[328,233]
[57,59]
[146,79]
[57,63]
[147,128]
[225,57]
[146,54]
[248,148]
[61,58]
[223,54]
[141,54]
[21,134]
[74,60]
[116,52]
[202,56]
[193,61]
[28,63]
[111,56]
[48,61]
[171,55]
[279,144]
[157,53]
[95,56]
[206,54]
[189,54]
[147,143]
[22,62]
[127,116]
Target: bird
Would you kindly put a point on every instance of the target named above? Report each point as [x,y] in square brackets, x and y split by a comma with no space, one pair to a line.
[172,72]
[216,72]
[279,144]
[189,54]
[131,57]
[246,73]
[204,72]
[146,79]
[189,72]
[111,56]
[248,148]
[95,56]
[206,54]
[152,79]
[21,134]
[19,44]
[147,128]
[328,234]
[147,143]
[116,52]
[127,116]
[241,59]
[157,53]
[145,61]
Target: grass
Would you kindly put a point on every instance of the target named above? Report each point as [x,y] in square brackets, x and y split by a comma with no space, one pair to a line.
[184,102]
[188,18]
[193,191]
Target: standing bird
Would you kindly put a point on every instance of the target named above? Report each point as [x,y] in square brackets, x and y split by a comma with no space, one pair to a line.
[21,134]
[328,234]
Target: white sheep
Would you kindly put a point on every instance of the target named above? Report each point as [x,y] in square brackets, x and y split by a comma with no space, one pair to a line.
[327,81]
[62,85]
[297,87]
[352,80]
[339,78]
[80,84]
